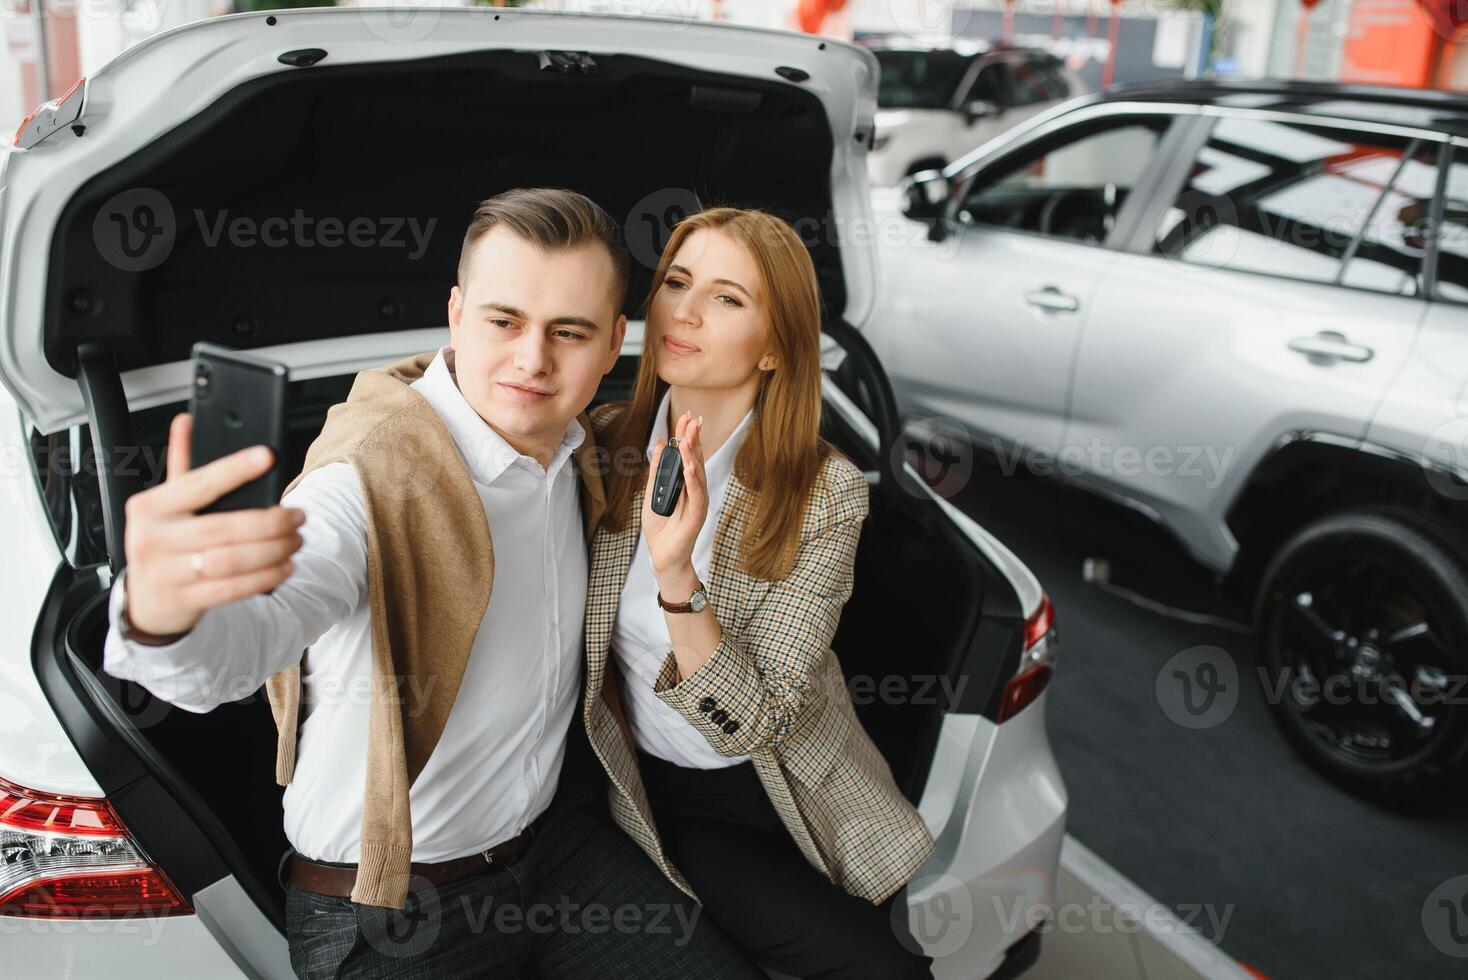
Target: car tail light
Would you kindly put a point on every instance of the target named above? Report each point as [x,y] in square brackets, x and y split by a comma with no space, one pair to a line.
[1036,664]
[69,855]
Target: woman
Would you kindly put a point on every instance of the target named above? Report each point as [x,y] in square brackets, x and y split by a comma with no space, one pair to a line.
[735,758]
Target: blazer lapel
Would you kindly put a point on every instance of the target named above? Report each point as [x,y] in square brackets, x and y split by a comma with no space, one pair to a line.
[611,558]
[731,591]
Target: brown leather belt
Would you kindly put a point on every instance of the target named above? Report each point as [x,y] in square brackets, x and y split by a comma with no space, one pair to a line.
[337,880]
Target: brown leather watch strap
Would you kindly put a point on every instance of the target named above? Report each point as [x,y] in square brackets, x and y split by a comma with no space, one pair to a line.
[681,607]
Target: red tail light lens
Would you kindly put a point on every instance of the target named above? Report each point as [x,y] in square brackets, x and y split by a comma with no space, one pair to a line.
[1036,665]
[66,855]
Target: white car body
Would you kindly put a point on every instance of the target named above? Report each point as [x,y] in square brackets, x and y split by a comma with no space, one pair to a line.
[994,798]
[912,137]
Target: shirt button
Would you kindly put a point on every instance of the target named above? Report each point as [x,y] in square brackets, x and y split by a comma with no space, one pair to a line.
[707,705]
[719,717]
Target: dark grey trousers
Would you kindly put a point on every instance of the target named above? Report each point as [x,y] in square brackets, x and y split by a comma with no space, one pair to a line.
[584,901]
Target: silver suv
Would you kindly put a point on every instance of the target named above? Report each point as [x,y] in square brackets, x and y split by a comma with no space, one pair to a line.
[1239,308]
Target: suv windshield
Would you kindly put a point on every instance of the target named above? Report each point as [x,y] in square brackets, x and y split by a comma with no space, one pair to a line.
[919,79]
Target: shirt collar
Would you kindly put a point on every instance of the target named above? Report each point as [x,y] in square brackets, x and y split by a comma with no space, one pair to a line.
[485,451]
[718,467]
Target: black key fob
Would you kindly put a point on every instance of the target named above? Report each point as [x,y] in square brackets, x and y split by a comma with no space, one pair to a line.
[669,481]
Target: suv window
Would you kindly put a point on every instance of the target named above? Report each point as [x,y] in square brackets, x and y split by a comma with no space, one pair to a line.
[1452,245]
[1305,202]
[991,84]
[919,79]
[1070,185]
[1036,80]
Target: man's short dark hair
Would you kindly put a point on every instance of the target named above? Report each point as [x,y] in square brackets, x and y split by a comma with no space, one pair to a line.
[551,218]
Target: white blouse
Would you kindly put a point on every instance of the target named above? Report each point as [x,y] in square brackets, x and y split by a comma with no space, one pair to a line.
[640,639]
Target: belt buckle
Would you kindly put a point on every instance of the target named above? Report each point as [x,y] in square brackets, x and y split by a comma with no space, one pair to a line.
[488,855]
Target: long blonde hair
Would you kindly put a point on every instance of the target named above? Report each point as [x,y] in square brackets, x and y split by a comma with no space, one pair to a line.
[783,452]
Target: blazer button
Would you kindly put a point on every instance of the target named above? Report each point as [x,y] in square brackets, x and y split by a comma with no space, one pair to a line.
[719,717]
[731,726]
[707,705]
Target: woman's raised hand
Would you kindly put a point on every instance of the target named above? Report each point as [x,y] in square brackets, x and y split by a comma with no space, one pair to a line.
[670,539]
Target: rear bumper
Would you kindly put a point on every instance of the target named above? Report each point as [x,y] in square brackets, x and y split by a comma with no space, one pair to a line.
[144,948]
[997,806]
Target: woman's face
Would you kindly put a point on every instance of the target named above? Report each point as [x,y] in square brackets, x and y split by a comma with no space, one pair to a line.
[709,323]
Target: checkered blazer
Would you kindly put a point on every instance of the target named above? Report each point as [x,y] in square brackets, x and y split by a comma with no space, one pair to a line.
[772,690]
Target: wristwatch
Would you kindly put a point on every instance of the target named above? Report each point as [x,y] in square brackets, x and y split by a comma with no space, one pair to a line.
[130,632]
[695,603]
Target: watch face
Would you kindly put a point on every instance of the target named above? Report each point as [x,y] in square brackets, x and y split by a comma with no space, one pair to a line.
[698,600]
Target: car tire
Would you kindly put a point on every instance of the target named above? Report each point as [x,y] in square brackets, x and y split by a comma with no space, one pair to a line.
[1356,610]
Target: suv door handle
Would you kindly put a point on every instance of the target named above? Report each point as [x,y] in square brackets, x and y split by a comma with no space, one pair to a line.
[1329,346]
[1052,299]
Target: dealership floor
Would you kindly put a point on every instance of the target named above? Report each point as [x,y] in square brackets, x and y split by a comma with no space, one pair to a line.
[1226,826]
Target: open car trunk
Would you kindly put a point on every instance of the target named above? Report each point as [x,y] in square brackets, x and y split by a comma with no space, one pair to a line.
[904,671]
[424,140]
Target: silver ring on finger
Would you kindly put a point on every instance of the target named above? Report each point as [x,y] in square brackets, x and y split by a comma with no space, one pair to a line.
[196,562]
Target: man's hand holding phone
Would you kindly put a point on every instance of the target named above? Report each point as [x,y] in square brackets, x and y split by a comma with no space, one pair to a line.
[181,564]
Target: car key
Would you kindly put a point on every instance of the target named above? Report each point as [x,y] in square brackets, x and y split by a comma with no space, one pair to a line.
[669,482]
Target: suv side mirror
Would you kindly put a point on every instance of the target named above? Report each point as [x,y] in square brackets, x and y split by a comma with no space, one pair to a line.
[925,198]
[977,109]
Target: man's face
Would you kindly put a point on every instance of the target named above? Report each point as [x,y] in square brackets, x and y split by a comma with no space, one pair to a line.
[533,334]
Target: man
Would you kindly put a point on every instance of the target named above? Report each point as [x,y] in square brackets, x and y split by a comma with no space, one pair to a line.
[431,563]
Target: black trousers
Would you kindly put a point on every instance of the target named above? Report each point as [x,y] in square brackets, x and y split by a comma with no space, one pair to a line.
[722,832]
[583,902]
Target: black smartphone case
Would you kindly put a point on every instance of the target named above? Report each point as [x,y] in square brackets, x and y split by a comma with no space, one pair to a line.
[669,482]
[239,401]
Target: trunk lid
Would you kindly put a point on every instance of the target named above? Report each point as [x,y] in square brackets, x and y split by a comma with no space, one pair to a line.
[301,184]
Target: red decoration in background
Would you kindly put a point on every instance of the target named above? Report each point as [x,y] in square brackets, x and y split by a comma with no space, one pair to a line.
[1113,31]
[1448,17]
[811,14]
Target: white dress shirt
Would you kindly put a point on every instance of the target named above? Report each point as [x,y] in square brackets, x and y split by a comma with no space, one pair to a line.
[495,768]
[640,639]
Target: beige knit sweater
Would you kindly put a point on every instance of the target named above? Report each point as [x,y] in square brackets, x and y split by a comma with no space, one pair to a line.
[430,568]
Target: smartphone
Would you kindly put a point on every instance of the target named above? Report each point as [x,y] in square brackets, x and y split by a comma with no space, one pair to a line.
[239,400]
[668,483]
